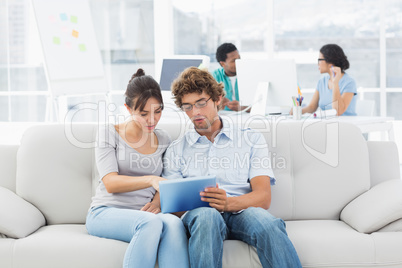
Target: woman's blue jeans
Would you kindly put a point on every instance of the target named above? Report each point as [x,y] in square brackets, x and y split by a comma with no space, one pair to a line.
[149,236]
[208,229]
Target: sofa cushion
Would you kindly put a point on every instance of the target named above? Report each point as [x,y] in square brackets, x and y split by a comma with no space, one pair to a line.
[237,254]
[6,252]
[376,208]
[388,248]
[67,246]
[331,243]
[18,217]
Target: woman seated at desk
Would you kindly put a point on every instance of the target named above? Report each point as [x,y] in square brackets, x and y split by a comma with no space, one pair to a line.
[336,90]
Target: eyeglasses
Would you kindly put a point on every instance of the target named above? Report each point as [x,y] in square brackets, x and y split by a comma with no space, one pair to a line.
[320,60]
[199,104]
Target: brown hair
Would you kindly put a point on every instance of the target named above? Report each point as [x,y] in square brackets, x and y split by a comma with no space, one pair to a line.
[140,89]
[194,80]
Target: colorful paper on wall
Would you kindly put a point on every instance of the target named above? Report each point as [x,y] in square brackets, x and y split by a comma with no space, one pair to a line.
[82,47]
[74,19]
[63,16]
[74,33]
[56,40]
[52,19]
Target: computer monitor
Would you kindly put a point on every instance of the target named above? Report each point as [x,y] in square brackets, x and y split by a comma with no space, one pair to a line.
[281,75]
[171,68]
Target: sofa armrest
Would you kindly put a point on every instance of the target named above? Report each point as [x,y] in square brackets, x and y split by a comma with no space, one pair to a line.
[375,208]
[18,218]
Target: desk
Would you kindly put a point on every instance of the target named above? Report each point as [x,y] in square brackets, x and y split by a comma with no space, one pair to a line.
[369,124]
[366,124]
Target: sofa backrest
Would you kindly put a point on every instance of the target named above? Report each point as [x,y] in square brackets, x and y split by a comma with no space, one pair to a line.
[55,169]
[8,157]
[319,168]
[384,161]
[326,165]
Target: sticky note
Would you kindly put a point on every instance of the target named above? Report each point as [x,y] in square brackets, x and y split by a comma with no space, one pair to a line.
[56,40]
[74,19]
[82,47]
[74,33]
[63,16]
[68,45]
[52,19]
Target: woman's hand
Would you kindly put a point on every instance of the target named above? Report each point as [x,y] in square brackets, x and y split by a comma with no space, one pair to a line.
[336,74]
[151,207]
[155,181]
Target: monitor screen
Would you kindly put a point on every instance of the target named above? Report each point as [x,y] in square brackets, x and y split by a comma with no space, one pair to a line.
[171,68]
[280,75]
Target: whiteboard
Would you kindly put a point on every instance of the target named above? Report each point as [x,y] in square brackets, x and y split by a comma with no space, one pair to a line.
[71,54]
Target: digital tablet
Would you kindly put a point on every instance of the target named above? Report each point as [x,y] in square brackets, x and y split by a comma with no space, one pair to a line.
[184,194]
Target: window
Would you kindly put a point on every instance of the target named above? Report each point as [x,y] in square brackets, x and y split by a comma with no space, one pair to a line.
[393,20]
[302,30]
[201,26]
[125,35]
[299,32]
[23,86]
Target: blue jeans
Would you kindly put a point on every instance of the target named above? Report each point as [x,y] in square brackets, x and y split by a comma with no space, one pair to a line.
[149,236]
[254,226]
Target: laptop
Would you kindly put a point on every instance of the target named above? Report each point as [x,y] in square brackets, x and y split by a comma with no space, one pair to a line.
[184,194]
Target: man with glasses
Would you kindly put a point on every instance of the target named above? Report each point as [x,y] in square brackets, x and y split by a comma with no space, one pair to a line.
[239,159]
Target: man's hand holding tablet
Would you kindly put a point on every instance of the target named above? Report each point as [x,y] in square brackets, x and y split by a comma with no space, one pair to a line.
[216,197]
[178,195]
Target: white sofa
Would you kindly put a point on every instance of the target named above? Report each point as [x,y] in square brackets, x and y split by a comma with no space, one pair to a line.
[340,195]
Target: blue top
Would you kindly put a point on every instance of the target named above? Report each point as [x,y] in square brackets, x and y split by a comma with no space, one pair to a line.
[220,76]
[235,157]
[346,84]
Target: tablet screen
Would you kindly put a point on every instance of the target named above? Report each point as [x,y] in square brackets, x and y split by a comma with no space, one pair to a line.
[184,194]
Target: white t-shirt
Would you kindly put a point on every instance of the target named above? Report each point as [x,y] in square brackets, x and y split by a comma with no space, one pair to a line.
[233,81]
